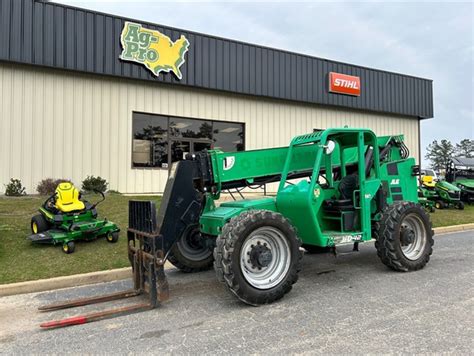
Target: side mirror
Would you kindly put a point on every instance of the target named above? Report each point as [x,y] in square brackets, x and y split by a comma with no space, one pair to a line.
[329,148]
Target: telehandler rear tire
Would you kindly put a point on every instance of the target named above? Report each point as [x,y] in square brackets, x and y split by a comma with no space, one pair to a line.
[258,256]
[404,237]
[189,254]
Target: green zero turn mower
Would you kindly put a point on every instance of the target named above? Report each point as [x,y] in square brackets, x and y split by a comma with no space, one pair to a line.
[442,193]
[65,218]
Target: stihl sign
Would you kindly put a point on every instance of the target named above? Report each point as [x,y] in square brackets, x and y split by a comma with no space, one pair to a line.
[344,84]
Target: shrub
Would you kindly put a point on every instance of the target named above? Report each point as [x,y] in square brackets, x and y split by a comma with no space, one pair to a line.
[91,184]
[14,188]
[48,186]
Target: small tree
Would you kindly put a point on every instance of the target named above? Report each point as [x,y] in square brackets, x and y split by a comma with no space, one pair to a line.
[465,148]
[91,184]
[15,188]
[439,154]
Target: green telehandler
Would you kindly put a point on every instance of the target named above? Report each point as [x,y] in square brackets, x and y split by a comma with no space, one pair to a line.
[336,186]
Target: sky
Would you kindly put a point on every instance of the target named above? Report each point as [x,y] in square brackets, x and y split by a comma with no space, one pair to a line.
[433,40]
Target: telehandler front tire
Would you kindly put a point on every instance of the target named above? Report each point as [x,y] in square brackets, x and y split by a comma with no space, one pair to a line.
[258,256]
[404,237]
[189,254]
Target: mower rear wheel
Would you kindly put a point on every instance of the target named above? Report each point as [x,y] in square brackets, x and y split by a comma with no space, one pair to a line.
[112,237]
[39,224]
[258,256]
[69,247]
[440,204]
[190,253]
[404,237]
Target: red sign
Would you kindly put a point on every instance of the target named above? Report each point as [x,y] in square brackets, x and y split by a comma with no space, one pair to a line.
[344,84]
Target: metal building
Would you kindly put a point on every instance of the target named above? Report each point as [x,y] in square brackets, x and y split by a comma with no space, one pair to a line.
[86,93]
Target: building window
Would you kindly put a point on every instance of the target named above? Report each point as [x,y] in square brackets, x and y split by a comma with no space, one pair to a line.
[161,140]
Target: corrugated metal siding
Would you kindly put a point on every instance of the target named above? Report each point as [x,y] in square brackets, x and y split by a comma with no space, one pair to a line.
[55,35]
[58,125]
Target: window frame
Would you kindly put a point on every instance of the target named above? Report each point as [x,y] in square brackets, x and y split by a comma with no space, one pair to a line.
[189,139]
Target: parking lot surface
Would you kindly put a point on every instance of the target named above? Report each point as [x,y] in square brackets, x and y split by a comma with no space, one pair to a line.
[350,303]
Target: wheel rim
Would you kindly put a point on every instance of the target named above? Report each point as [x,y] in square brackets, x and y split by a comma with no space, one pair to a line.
[191,246]
[35,228]
[265,258]
[65,248]
[109,236]
[413,237]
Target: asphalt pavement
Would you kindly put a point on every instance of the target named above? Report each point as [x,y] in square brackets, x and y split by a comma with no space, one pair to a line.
[348,304]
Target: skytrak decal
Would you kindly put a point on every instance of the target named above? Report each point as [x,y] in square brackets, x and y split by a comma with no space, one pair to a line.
[344,84]
[154,50]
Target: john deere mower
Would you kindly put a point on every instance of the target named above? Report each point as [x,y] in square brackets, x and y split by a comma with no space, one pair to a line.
[442,193]
[65,218]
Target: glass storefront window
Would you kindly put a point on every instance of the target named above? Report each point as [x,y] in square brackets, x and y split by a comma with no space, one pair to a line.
[161,140]
[181,127]
[150,140]
[228,136]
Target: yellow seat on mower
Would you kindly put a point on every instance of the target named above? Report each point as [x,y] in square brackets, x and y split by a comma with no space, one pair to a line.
[67,198]
[428,181]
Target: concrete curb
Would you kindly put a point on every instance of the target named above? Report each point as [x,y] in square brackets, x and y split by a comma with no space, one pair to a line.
[42,285]
[453,228]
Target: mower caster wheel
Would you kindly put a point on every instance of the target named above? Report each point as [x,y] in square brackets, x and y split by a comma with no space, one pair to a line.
[39,224]
[432,209]
[112,237]
[440,205]
[460,205]
[69,247]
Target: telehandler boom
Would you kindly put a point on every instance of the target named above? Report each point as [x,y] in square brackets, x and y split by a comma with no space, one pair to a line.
[336,186]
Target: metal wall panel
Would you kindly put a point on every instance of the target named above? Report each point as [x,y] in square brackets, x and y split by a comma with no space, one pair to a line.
[55,35]
[90,118]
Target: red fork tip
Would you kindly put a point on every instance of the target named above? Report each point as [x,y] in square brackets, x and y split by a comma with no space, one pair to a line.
[76,320]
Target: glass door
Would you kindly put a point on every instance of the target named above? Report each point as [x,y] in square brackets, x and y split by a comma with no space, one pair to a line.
[201,146]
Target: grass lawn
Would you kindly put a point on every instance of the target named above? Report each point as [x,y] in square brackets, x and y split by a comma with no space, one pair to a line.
[20,260]
[447,217]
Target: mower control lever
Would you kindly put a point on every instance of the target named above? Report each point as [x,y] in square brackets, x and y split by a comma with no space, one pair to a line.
[100,201]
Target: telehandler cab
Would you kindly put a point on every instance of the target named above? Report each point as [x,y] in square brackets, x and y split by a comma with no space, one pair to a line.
[336,186]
